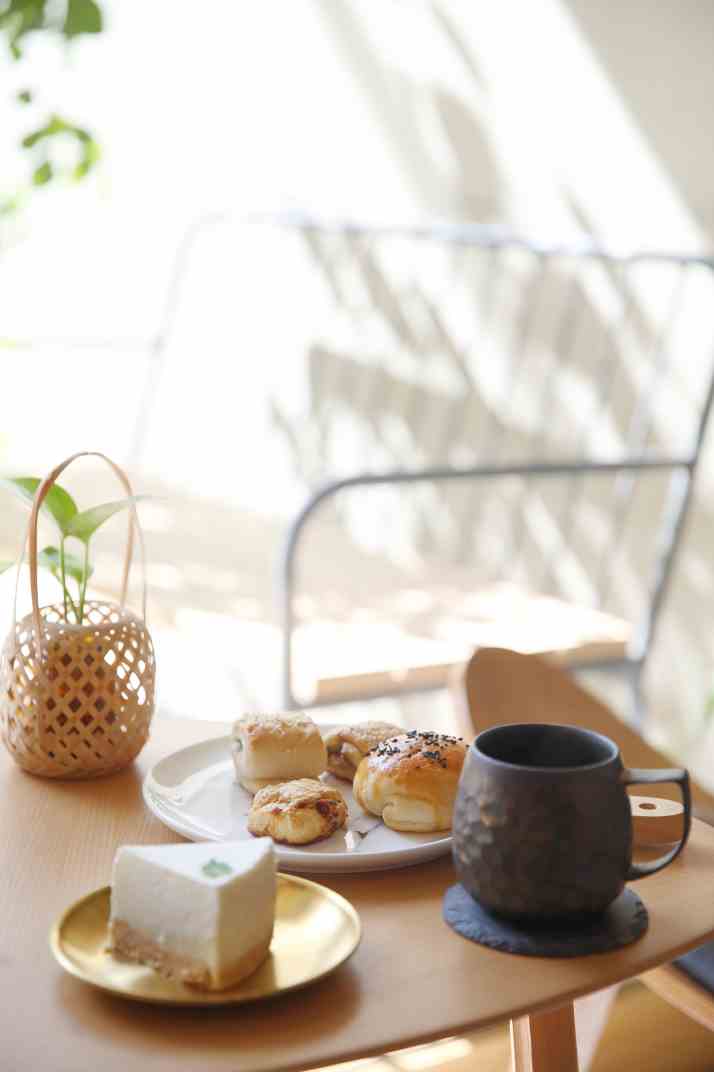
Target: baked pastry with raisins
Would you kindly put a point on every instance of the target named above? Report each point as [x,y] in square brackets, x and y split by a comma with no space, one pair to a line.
[298,812]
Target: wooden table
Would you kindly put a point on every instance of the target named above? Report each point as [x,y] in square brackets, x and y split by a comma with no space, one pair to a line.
[411,980]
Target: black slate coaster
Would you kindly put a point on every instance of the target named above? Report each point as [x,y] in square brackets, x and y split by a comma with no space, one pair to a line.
[623,922]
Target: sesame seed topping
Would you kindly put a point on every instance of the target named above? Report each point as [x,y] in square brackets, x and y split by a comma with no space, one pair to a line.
[426,742]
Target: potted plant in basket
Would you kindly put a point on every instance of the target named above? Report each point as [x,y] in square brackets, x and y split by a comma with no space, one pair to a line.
[77,676]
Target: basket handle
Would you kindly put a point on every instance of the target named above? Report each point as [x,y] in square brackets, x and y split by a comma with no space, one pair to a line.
[31,539]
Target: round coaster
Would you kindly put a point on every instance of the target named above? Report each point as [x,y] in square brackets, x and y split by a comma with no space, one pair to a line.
[623,922]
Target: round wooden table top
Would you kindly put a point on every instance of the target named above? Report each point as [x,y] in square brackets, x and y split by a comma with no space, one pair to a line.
[411,980]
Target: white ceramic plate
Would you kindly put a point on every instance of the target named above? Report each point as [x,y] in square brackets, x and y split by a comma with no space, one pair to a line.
[194,792]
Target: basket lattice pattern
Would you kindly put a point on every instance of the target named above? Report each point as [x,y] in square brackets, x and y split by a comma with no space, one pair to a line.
[81,708]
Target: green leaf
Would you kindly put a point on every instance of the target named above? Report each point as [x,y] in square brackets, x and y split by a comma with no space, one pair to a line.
[10,205]
[90,155]
[58,503]
[42,174]
[55,125]
[84,525]
[83,17]
[216,868]
[49,558]
[20,17]
[87,148]
[24,96]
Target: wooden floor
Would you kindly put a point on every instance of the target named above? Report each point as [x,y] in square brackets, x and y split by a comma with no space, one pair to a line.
[643,1034]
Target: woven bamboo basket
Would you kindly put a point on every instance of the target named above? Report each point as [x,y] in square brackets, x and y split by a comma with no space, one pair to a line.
[76,700]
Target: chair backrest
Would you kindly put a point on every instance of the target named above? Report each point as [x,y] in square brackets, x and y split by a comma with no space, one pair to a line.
[498,686]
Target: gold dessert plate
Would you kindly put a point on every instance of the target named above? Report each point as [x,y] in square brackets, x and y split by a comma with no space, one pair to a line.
[316,930]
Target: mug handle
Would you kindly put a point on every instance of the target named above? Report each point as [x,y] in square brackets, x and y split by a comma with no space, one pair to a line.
[637,776]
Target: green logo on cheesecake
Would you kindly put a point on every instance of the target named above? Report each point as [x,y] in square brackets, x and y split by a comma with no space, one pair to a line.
[216,869]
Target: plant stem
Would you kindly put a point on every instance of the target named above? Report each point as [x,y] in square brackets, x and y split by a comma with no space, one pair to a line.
[72,606]
[67,598]
[83,587]
[64,579]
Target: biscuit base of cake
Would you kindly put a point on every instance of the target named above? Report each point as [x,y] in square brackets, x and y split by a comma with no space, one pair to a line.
[133,946]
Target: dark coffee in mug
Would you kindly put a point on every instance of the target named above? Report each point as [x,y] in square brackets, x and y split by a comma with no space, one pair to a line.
[542,825]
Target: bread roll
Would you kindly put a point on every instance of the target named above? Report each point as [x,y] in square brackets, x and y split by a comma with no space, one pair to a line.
[298,812]
[348,745]
[410,781]
[269,749]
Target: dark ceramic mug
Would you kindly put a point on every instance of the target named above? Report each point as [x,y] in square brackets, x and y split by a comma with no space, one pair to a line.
[542,824]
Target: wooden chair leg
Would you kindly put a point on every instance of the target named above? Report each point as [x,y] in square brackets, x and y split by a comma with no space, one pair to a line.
[677,989]
[545,1042]
[591,1016]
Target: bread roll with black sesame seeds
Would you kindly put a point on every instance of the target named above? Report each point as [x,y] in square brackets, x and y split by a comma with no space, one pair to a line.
[410,781]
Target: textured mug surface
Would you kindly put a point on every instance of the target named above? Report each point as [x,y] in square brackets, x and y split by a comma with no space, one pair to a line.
[542,824]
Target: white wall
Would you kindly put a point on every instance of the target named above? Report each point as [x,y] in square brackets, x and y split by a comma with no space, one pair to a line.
[558,116]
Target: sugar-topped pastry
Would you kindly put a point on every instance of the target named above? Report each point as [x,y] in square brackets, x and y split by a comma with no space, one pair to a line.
[269,749]
[199,913]
[410,781]
[297,812]
[348,745]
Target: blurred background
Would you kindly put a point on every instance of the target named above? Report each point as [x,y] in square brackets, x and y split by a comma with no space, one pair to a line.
[178,290]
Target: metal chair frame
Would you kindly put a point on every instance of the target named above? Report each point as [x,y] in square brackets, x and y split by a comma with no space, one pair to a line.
[681,466]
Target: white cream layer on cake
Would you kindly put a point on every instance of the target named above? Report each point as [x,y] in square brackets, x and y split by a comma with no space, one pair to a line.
[201,913]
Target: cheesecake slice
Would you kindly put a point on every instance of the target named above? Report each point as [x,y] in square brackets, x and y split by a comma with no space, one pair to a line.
[200,913]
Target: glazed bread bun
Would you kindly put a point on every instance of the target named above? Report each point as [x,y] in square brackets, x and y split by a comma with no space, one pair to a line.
[268,749]
[410,781]
[348,745]
[298,812]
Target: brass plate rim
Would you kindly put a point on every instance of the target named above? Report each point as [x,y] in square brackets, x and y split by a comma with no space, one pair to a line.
[212,998]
